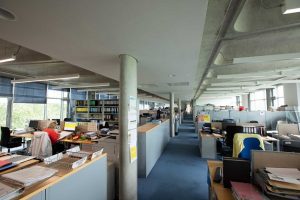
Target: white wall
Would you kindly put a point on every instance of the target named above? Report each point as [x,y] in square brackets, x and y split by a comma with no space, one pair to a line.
[230,101]
[245,100]
[292,94]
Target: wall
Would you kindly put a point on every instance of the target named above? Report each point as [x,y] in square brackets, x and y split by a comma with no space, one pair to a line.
[245,101]
[291,93]
[230,101]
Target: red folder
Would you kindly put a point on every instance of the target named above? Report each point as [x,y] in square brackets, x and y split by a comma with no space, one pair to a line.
[4,163]
[246,191]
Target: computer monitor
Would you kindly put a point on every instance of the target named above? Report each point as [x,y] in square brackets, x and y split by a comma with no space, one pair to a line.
[70,126]
[225,124]
[33,124]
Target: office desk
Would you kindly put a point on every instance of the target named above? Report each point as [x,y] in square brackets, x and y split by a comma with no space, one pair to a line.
[216,190]
[88,181]
[21,166]
[77,141]
[24,136]
[273,140]
[208,144]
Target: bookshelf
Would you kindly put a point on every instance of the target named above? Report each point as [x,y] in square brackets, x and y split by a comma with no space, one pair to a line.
[107,110]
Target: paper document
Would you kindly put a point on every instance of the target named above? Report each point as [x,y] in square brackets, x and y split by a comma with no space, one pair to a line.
[287,175]
[284,172]
[8,192]
[29,176]
[64,134]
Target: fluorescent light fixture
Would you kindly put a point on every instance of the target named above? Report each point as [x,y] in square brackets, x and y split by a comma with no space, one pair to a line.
[46,78]
[291,6]
[100,90]
[246,76]
[267,58]
[82,86]
[12,58]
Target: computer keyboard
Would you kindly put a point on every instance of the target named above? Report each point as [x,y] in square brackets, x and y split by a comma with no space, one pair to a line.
[17,159]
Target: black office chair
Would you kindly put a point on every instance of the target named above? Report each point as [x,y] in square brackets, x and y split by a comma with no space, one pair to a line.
[230,132]
[7,141]
[67,119]
[227,147]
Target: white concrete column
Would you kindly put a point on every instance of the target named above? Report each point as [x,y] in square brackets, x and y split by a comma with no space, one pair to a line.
[128,90]
[172,115]
[179,110]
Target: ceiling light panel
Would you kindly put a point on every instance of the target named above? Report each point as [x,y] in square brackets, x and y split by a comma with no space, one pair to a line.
[47,78]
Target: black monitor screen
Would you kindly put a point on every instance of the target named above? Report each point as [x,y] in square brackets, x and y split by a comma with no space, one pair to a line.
[34,124]
[225,124]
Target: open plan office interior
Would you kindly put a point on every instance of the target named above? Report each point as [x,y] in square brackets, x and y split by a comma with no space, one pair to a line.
[137,99]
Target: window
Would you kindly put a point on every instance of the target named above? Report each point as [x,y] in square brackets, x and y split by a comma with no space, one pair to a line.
[23,112]
[278,96]
[57,104]
[3,110]
[258,100]
[53,108]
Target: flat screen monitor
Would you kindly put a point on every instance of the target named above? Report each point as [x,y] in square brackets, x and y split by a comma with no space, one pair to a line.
[33,124]
[225,124]
[70,126]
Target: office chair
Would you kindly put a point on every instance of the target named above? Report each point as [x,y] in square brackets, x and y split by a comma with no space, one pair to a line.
[243,143]
[226,149]
[7,141]
[67,119]
[41,146]
[230,132]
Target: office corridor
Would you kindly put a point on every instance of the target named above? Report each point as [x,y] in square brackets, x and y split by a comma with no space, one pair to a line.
[180,173]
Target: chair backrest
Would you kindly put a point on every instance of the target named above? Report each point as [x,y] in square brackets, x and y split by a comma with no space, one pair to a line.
[230,132]
[5,136]
[243,143]
[41,146]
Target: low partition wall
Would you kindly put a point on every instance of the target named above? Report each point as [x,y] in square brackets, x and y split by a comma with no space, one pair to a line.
[152,140]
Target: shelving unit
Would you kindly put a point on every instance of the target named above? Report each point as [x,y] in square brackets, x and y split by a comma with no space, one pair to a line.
[107,110]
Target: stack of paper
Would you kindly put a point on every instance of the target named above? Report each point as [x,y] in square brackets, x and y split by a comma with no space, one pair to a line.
[282,183]
[29,176]
[64,134]
[9,192]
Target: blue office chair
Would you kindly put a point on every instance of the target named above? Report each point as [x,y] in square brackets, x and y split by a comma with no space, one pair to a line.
[244,143]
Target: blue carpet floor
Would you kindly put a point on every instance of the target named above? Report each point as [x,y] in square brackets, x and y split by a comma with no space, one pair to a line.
[180,173]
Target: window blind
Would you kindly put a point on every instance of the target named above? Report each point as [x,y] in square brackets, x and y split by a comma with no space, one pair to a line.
[5,87]
[30,93]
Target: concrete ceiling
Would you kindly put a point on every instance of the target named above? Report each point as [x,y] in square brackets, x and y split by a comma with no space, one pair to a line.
[164,35]
[259,48]
[32,64]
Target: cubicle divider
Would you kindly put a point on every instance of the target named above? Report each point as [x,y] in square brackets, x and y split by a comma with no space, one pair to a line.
[268,118]
[152,140]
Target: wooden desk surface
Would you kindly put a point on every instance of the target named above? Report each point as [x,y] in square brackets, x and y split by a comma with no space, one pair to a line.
[30,191]
[21,166]
[219,190]
[214,135]
[148,126]
[24,135]
[268,138]
[77,141]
